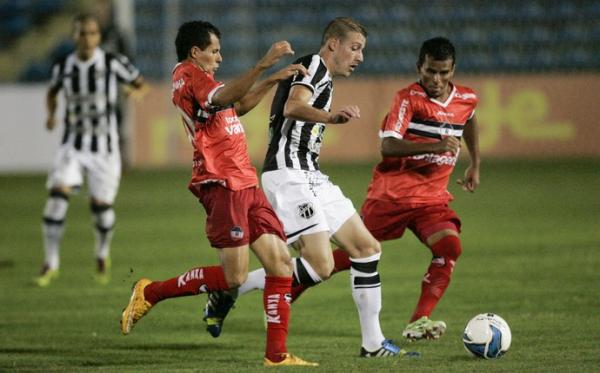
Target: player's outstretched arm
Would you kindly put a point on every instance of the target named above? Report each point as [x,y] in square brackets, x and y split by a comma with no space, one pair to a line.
[253,97]
[239,87]
[138,89]
[297,107]
[393,147]
[51,104]
[471,136]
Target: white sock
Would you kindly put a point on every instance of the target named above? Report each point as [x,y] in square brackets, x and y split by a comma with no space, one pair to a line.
[256,280]
[304,273]
[104,221]
[53,228]
[366,291]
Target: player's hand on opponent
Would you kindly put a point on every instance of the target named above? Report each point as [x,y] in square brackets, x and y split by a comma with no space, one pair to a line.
[471,180]
[289,71]
[344,115]
[277,50]
[50,123]
[449,144]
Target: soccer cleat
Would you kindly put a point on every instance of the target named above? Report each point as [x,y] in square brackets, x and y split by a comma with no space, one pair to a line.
[218,305]
[102,276]
[46,276]
[388,348]
[424,328]
[138,306]
[289,360]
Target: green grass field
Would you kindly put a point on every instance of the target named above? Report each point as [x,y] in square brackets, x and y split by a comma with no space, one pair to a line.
[531,253]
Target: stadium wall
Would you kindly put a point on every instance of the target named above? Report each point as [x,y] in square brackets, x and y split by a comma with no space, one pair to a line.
[531,116]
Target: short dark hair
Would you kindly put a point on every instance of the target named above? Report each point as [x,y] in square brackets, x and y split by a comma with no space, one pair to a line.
[340,27]
[85,17]
[194,34]
[438,48]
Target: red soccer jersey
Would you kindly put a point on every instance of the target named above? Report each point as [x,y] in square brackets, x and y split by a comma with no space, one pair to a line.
[220,149]
[416,117]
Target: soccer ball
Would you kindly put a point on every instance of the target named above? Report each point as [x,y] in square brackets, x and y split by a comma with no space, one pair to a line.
[487,336]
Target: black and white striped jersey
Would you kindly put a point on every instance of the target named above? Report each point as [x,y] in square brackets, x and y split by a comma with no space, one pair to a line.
[91,91]
[294,143]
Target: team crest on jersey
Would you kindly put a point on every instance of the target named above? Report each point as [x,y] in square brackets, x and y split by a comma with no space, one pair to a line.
[236,233]
[306,210]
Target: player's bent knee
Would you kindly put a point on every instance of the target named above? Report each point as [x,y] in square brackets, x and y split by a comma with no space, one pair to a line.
[236,280]
[323,270]
[448,246]
[280,268]
[370,249]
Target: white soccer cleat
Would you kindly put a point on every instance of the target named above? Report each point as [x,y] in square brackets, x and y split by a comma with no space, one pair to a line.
[424,328]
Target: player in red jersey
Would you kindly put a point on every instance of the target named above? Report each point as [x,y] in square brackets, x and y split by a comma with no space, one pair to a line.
[420,144]
[238,215]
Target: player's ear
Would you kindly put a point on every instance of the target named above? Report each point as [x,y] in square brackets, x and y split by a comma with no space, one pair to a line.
[195,51]
[332,44]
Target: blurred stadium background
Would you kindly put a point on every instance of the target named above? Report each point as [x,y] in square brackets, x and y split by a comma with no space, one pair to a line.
[534,64]
[531,233]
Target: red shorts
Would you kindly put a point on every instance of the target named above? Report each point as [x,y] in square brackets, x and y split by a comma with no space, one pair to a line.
[236,218]
[388,220]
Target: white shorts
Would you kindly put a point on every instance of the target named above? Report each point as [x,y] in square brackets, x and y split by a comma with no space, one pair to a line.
[306,202]
[103,172]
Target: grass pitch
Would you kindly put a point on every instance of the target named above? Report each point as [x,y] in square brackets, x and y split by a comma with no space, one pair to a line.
[531,253]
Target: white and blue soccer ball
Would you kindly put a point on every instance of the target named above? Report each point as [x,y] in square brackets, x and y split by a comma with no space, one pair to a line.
[487,336]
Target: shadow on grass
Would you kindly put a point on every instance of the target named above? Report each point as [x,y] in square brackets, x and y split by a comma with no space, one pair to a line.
[31,350]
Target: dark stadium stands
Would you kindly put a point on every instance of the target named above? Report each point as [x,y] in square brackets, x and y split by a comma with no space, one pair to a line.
[504,36]
[491,36]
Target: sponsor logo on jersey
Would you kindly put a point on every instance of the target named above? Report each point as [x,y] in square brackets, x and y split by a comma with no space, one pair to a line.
[236,233]
[306,210]
[234,126]
[465,96]
[178,84]
[444,113]
[194,274]
[272,311]
[417,93]
[401,114]
[436,158]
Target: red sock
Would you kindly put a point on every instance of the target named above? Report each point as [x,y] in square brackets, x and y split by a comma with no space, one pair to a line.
[445,253]
[276,301]
[341,262]
[195,281]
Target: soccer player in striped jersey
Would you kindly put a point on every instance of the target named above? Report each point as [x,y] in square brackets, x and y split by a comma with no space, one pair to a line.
[239,217]
[89,79]
[420,142]
[312,209]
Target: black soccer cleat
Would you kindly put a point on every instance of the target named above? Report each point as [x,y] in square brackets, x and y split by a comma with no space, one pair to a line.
[218,305]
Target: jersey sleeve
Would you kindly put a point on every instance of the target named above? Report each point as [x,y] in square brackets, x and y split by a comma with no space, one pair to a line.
[125,70]
[396,122]
[316,72]
[474,101]
[204,88]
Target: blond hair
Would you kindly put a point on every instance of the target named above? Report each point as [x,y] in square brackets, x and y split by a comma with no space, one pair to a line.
[339,27]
